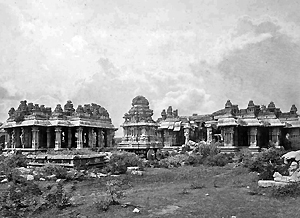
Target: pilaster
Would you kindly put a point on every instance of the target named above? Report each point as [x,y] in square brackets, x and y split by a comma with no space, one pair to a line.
[79,138]
[57,138]
[35,138]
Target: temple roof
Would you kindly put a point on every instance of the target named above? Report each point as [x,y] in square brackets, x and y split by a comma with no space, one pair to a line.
[227,122]
[140,100]
[30,114]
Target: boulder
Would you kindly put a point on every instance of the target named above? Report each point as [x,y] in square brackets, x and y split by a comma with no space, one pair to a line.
[129,169]
[93,175]
[136,210]
[52,177]
[4,180]
[24,170]
[30,177]
[137,172]
[101,175]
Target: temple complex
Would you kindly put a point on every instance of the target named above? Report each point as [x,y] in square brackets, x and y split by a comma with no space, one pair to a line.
[254,127]
[34,127]
[140,130]
[175,130]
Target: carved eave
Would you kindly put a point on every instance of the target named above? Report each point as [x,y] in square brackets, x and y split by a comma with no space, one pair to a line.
[132,124]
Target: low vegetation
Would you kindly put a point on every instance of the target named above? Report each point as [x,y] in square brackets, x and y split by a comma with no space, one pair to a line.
[169,186]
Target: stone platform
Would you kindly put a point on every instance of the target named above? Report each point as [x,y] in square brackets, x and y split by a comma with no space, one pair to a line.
[71,161]
[271,183]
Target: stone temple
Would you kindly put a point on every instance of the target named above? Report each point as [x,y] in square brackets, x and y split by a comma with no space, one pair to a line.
[34,127]
[231,128]
[140,130]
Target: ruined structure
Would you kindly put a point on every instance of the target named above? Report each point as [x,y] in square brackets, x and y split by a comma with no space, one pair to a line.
[253,127]
[175,130]
[139,128]
[34,127]
[256,126]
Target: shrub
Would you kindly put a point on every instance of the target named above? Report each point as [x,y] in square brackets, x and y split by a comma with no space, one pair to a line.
[20,198]
[51,169]
[9,163]
[57,196]
[220,159]
[244,156]
[119,162]
[114,193]
[173,161]
[102,205]
[290,190]
[197,185]
[267,162]
[194,159]
[207,149]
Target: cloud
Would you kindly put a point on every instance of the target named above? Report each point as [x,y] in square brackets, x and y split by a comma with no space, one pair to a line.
[256,60]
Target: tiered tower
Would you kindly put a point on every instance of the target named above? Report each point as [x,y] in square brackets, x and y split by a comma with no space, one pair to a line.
[139,127]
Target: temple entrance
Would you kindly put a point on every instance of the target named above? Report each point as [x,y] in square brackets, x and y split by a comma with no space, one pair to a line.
[264,137]
[242,136]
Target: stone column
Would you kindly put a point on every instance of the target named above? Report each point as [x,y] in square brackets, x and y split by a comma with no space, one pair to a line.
[17,138]
[69,137]
[79,138]
[48,138]
[274,134]
[90,136]
[209,134]
[29,138]
[109,138]
[229,136]
[57,138]
[99,135]
[252,134]
[35,138]
[7,143]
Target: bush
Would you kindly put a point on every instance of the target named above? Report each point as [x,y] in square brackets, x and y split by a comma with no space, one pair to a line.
[267,162]
[220,159]
[290,190]
[24,198]
[245,157]
[103,204]
[114,193]
[207,149]
[194,159]
[119,162]
[51,169]
[9,163]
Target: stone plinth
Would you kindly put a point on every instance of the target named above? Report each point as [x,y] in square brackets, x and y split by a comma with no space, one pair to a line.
[271,183]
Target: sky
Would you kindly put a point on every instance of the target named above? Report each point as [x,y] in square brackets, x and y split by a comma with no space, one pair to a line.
[193,55]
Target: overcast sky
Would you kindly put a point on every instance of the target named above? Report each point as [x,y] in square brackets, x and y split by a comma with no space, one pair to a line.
[193,55]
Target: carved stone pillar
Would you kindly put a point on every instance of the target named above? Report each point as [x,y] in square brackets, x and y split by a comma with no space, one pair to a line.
[252,136]
[90,135]
[228,136]
[79,138]
[48,138]
[99,135]
[35,138]
[274,134]
[22,137]
[7,139]
[209,134]
[57,138]
[69,137]
[109,138]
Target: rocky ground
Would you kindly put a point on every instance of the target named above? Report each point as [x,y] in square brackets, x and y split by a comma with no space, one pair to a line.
[186,191]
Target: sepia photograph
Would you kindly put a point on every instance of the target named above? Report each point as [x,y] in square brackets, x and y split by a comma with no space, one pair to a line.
[149,108]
